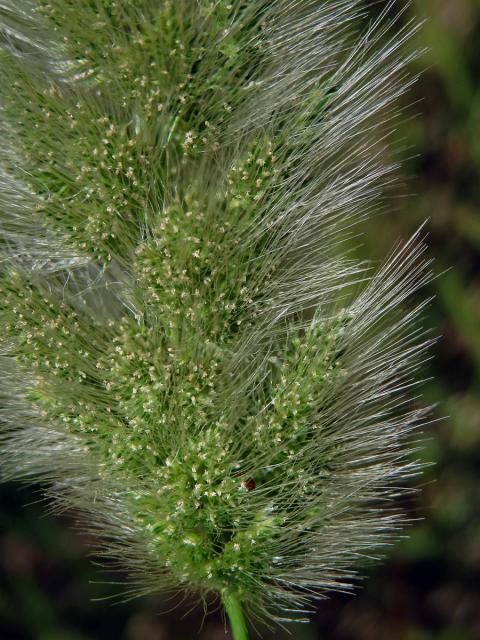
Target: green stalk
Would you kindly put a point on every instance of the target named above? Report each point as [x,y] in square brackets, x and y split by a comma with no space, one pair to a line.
[235,615]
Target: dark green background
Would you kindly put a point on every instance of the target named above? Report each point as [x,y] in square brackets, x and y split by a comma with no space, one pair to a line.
[429,587]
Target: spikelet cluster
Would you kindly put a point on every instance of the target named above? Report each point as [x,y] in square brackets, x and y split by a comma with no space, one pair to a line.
[189,358]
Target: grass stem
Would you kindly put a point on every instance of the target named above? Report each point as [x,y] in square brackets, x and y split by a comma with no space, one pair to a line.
[235,615]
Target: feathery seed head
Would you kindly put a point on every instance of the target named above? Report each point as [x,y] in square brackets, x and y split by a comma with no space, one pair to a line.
[189,357]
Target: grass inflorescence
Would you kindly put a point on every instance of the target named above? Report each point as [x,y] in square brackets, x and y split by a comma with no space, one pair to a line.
[190,357]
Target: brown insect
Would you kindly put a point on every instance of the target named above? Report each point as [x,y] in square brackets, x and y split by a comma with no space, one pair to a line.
[249,484]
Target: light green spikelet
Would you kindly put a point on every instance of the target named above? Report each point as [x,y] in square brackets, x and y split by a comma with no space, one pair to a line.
[189,357]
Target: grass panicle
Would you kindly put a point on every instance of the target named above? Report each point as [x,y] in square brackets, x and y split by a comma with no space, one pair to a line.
[191,357]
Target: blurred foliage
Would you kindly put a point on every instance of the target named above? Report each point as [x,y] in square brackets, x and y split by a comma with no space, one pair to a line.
[429,588]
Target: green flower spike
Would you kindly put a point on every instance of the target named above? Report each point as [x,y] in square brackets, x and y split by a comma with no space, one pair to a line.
[190,359]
